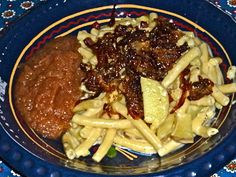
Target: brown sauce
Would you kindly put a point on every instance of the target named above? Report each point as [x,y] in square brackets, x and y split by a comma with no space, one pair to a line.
[47,87]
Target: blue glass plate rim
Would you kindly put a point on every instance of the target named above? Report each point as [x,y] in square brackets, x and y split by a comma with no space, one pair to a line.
[44,168]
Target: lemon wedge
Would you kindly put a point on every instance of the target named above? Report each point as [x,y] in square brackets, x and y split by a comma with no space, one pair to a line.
[155,102]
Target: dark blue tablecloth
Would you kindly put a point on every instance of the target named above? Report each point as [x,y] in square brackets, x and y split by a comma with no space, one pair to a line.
[10,10]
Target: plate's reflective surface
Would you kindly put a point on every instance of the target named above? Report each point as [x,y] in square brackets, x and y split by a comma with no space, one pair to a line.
[208,154]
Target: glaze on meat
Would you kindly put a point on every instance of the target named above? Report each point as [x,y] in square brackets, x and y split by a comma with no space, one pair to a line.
[184,85]
[200,88]
[129,53]
[47,87]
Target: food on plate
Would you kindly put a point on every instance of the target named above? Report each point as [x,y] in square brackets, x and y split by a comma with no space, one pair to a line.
[47,87]
[133,83]
[149,87]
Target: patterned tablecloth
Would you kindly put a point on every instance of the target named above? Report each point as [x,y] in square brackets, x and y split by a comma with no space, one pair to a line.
[10,10]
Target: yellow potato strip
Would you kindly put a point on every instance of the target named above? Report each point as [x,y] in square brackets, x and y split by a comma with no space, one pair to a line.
[102,123]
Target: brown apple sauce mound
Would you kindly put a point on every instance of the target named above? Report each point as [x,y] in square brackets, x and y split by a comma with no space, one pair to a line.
[47,87]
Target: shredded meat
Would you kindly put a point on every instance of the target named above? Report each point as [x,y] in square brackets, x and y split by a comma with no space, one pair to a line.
[129,53]
[131,89]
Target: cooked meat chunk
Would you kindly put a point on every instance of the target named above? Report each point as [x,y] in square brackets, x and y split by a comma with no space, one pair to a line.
[200,89]
[129,53]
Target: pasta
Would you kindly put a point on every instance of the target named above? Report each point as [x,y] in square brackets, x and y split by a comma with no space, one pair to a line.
[103,123]
[140,125]
[168,147]
[83,148]
[227,88]
[205,101]
[143,147]
[180,66]
[166,128]
[133,133]
[177,105]
[106,144]
[183,129]
[198,127]
[204,57]
[85,131]
[220,97]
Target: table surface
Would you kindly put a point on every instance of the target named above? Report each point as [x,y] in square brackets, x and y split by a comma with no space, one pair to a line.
[12,9]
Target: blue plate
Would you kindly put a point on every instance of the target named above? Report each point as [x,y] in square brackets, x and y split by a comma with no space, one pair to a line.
[32,155]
